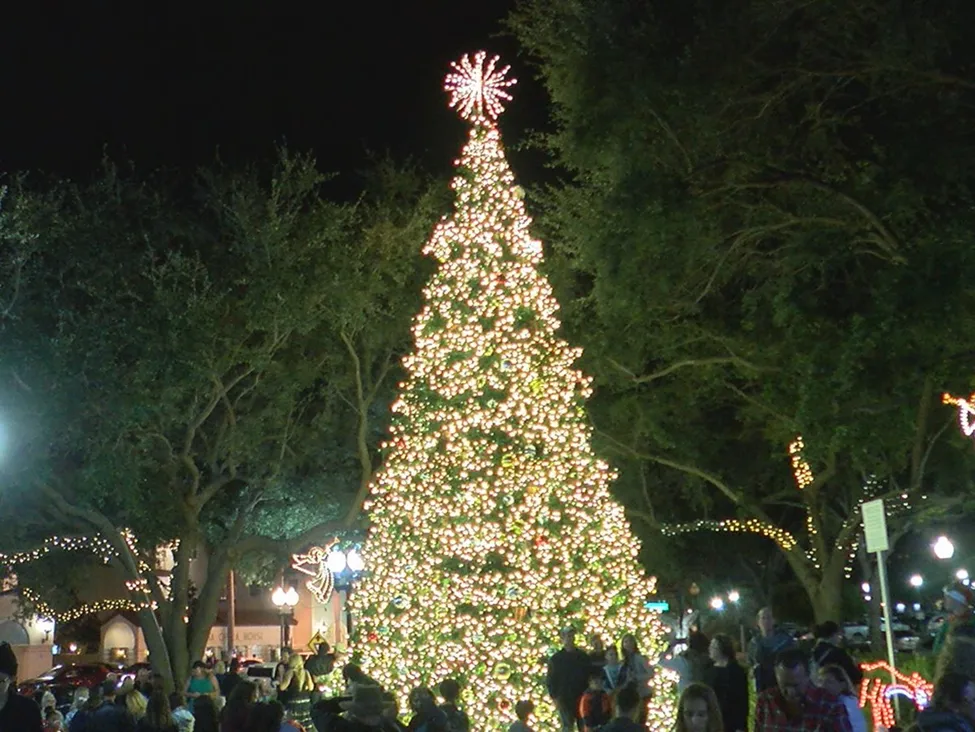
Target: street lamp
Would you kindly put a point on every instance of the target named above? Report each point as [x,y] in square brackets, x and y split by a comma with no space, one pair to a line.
[961,575]
[916,581]
[717,604]
[943,548]
[285,600]
[866,588]
[733,596]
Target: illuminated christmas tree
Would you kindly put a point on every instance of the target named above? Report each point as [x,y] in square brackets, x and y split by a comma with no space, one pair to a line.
[492,521]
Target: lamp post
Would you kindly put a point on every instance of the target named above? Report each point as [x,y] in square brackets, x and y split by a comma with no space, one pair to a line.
[345,566]
[285,600]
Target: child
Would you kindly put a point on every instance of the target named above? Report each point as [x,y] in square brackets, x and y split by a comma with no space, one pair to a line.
[595,708]
[523,710]
[836,681]
[698,710]
[457,719]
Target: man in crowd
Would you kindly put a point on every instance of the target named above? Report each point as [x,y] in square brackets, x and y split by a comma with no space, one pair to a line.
[828,651]
[794,704]
[763,649]
[959,599]
[628,710]
[17,713]
[568,677]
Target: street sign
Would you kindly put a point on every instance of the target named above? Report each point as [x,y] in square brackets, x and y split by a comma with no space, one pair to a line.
[875,526]
[660,607]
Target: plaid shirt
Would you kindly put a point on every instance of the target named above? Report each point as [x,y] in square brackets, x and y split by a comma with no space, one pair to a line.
[821,712]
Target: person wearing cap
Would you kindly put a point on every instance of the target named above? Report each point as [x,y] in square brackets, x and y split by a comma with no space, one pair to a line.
[365,712]
[959,599]
[567,679]
[17,713]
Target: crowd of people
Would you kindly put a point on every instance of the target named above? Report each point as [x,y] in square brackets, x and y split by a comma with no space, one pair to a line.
[596,689]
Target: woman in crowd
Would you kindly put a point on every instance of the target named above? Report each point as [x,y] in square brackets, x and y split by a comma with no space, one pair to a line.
[78,700]
[206,717]
[294,692]
[730,684]
[836,681]
[136,704]
[158,717]
[635,671]
[698,710]
[200,683]
[233,718]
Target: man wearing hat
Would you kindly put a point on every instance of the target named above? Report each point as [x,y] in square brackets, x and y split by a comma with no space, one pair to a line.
[366,712]
[959,599]
[17,713]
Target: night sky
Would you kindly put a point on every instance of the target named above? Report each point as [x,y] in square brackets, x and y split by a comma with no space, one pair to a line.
[165,85]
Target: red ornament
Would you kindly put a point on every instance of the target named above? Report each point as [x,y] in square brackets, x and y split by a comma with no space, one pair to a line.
[372,637]
[505,704]
[539,540]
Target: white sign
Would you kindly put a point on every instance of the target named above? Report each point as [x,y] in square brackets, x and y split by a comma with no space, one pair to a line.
[875,526]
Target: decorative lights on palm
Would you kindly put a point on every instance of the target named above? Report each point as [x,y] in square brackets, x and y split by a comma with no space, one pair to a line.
[492,521]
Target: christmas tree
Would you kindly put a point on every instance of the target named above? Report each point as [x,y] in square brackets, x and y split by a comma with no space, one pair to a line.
[492,521]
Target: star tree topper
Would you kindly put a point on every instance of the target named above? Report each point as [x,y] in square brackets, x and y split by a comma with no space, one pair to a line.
[477,87]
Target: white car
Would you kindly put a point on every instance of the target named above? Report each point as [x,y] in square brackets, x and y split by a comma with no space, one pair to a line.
[858,634]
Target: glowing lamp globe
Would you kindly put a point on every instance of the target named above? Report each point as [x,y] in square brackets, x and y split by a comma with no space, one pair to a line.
[717,603]
[354,561]
[916,580]
[943,548]
[278,597]
[335,561]
[961,575]
[733,596]
[291,597]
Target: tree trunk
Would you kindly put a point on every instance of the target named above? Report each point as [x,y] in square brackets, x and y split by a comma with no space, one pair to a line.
[828,600]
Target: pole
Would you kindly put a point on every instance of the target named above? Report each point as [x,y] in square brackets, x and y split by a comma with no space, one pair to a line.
[888,623]
[231,614]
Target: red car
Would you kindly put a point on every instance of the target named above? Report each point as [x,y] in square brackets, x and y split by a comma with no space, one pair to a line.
[62,680]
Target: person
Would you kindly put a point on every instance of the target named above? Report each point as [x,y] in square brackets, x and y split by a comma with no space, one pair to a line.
[158,716]
[763,649]
[835,680]
[136,704]
[233,718]
[693,666]
[78,701]
[636,672]
[16,712]
[364,712]
[698,710]
[112,714]
[205,718]
[523,712]
[200,683]
[567,679]
[629,709]
[294,692]
[266,717]
[354,676]
[595,707]
[597,651]
[183,717]
[227,681]
[427,717]
[828,652]
[322,663]
[282,667]
[794,704]
[730,684]
[959,599]
[53,720]
[457,719]
[612,669]
[952,707]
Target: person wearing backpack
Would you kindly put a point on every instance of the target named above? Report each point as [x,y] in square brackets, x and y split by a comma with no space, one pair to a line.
[457,719]
[595,708]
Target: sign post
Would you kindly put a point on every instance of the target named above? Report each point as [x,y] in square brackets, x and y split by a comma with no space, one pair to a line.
[875,530]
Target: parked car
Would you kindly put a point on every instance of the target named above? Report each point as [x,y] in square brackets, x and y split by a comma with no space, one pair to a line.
[131,672]
[935,623]
[857,635]
[906,641]
[63,679]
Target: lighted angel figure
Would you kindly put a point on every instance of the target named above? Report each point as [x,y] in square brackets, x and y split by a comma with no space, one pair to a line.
[315,565]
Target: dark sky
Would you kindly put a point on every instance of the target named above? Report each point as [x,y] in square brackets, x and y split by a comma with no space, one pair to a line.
[166,84]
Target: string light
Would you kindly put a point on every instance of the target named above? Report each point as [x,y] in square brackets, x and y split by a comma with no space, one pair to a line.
[747,526]
[878,693]
[314,564]
[966,410]
[42,608]
[492,523]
